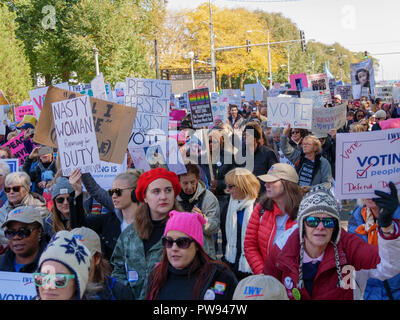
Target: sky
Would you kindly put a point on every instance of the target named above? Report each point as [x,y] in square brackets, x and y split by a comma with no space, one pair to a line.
[358,25]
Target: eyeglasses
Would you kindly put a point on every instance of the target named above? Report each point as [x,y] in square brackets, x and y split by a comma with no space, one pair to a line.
[230,186]
[58,280]
[118,191]
[313,222]
[182,243]
[21,232]
[61,200]
[15,189]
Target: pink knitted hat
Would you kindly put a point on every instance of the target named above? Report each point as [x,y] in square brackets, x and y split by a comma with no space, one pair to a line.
[188,223]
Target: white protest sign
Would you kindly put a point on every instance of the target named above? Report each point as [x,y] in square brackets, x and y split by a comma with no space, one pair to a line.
[253,92]
[344,91]
[219,108]
[367,161]
[320,82]
[151,97]
[2,118]
[234,96]
[316,96]
[98,87]
[119,92]
[327,119]
[105,175]
[294,111]
[385,93]
[38,95]
[17,286]
[77,144]
[12,163]
[396,94]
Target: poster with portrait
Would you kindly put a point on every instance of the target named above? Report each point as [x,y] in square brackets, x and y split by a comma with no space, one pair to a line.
[362,78]
[320,82]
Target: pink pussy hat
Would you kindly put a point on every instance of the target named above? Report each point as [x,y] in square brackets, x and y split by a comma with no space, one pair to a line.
[189,223]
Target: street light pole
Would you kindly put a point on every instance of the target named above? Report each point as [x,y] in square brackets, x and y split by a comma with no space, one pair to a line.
[96,59]
[288,62]
[269,61]
[213,65]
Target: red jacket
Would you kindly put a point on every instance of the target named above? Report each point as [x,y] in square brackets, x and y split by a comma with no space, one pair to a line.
[283,264]
[260,236]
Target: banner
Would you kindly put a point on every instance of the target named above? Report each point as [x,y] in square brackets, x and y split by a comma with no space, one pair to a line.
[17,148]
[344,91]
[77,145]
[24,110]
[294,111]
[200,107]
[298,81]
[385,93]
[17,286]
[320,82]
[151,97]
[253,92]
[362,79]
[327,119]
[112,122]
[367,161]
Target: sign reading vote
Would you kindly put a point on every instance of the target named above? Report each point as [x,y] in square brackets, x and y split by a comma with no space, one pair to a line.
[367,161]
[294,111]
[76,135]
[17,286]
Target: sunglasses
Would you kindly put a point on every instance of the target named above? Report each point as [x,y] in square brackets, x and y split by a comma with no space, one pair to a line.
[313,222]
[118,191]
[21,232]
[58,280]
[61,200]
[15,189]
[182,243]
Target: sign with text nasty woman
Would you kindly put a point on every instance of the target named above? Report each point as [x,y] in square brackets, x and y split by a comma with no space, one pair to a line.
[367,161]
[76,135]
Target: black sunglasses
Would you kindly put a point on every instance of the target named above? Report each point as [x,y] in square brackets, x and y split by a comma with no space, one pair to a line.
[117,191]
[313,222]
[15,189]
[182,242]
[21,232]
[61,200]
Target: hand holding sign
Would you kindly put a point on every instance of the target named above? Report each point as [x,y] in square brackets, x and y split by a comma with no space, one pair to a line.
[388,204]
[75,179]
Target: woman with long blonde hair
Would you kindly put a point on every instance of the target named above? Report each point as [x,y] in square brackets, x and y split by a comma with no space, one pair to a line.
[243,187]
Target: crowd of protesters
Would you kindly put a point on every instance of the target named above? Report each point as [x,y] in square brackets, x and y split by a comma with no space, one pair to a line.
[200,235]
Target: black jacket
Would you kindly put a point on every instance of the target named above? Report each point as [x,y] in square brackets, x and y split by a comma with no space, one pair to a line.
[7,260]
[36,173]
[112,290]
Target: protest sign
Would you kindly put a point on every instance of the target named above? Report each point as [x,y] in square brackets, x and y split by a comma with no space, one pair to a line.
[396,94]
[151,97]
[107,172]
[98,87]
[385,93]
[234,96]
[77,145]
[2,125]
[17,286]
[38,96]
[253,92]
[344,91]
[184,101]
[320,82]
[177,115]
[12,163]
[220,105]
[24,110]
[362,78]
[119,91]
[112,121]
[3,99]
[17,148]
[200,106]
[83,88]
[332,86]
[390,123]
[362,166]
[294,111]
[327,119]
[316,96]
[298,81]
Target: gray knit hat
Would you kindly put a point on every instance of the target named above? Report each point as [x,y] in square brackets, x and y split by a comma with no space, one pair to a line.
[62,186]
[318,200]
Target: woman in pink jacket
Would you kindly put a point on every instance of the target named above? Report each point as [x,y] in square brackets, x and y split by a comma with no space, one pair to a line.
[275,213]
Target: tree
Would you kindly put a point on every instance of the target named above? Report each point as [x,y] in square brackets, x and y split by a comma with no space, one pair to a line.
[15,79]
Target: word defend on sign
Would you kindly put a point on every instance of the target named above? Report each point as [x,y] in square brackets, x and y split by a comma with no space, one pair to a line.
[151,97]
[327,119]
[367,161]
[294,111]
[24,110]
[200,106]
[76,135]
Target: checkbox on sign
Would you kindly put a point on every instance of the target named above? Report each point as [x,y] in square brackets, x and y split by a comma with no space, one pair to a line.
[362,174]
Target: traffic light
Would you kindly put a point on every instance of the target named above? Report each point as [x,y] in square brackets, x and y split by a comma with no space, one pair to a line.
[196,58]
[365,55]
[303,41]
[248,44]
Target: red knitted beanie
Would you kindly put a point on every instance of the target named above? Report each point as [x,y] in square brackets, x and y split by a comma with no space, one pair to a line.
[159,173]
